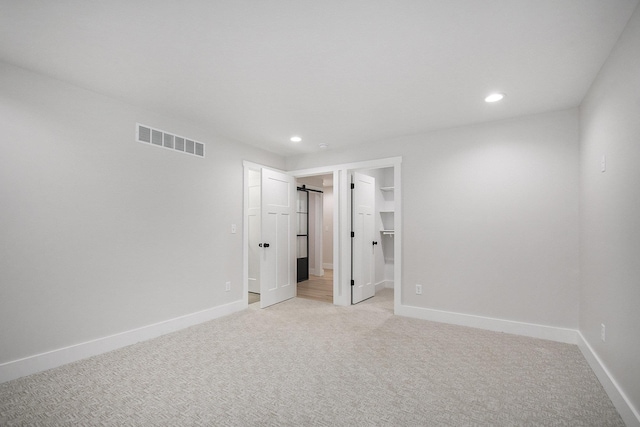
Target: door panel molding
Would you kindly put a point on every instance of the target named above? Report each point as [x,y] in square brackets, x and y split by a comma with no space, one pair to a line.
[277,261]
[363,211]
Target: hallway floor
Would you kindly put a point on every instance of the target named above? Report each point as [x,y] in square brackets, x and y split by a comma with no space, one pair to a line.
[317,288]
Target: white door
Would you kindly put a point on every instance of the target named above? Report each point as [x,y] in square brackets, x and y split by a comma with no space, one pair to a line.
[277,246]
[363,246]
[255,252]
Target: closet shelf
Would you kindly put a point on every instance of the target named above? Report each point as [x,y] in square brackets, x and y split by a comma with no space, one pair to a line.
[388,232]
[386,188]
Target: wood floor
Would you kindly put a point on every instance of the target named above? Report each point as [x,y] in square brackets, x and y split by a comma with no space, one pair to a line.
[317,288]
[253,297]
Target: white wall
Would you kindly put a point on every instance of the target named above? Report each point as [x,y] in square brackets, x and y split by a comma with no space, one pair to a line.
[314,182]
[610,208]
[101,234]
[490,216]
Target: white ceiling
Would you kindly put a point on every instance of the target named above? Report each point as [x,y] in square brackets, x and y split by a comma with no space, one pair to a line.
[332,71]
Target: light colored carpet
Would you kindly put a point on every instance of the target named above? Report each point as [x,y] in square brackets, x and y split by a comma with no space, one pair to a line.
[304,363]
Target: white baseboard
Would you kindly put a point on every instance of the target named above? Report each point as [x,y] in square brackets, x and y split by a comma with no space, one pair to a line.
[384,284]
[552,333]
[328,265]
[629,414]
[51,359]
[318,272]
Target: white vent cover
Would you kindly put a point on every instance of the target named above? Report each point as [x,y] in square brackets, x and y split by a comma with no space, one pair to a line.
[160,138]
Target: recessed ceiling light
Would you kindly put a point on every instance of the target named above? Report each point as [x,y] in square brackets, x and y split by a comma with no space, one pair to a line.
[295,139]
[323,146]
[494,97]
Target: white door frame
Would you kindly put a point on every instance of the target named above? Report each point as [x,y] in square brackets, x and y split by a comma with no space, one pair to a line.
[317,226]
[342,224]
[315,230]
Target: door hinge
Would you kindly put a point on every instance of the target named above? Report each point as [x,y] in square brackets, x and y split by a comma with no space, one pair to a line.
[353,234]
[353,186]
[353,283]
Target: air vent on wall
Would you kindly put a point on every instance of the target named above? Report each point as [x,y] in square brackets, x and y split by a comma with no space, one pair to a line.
[160,138]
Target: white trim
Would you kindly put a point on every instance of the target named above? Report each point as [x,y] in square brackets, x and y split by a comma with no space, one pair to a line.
[384,284]
[552,333]
[369,164]
[316,272]
[317,233]
[258,166]
[52,359]
[397,240]
[629,414]
[342,238]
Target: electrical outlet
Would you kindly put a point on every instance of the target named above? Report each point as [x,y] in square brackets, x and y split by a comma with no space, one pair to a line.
[234,229]
[603,335]
[227,286]
[418,289]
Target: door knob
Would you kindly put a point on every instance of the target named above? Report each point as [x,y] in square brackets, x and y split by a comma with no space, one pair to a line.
[375,243]
[263,245]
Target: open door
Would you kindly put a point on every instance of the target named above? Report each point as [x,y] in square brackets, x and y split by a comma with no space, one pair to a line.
[362,242]
[277,260]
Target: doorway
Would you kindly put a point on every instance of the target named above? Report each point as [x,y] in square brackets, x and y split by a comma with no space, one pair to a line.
[315,242]
[341,244]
